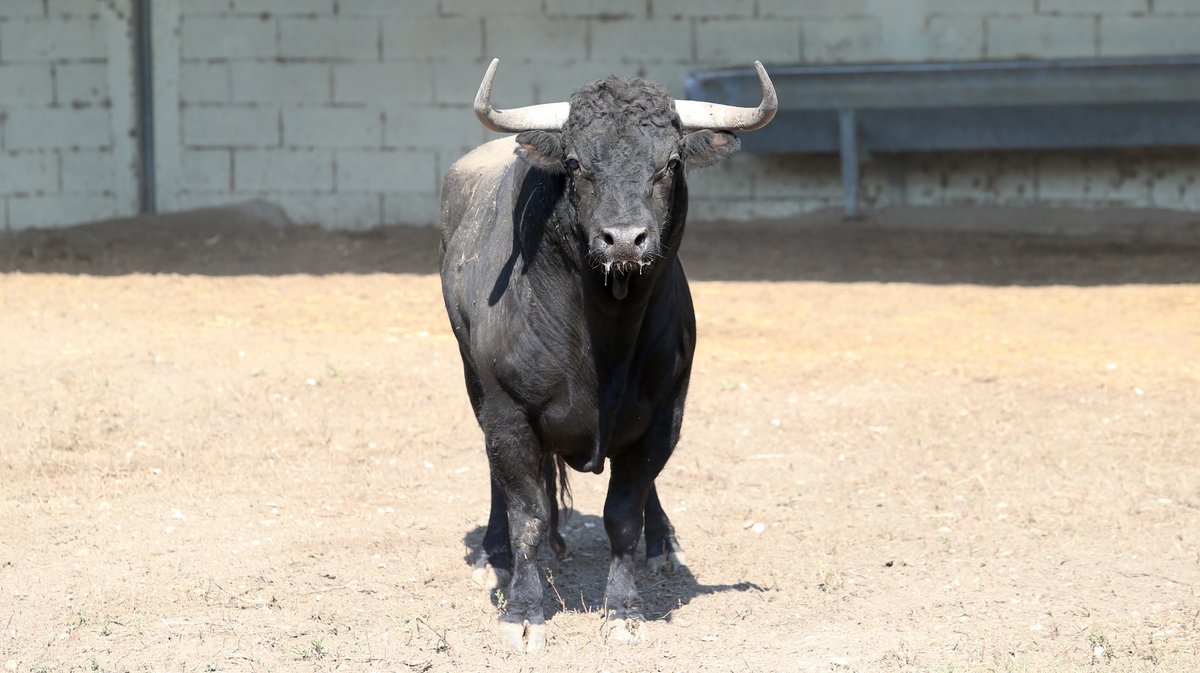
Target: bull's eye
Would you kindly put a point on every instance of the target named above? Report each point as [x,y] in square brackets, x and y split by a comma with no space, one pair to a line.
[572,165]
[667,170]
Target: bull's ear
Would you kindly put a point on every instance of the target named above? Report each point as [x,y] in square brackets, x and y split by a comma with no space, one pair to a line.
[542,149]
[707,147]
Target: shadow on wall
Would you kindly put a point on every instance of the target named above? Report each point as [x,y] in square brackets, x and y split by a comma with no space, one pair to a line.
[973,245]
[576,582]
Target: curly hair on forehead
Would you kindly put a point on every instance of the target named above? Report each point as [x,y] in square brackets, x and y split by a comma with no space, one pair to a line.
[632,101]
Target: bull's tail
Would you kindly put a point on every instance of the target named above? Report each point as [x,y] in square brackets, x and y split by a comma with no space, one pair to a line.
[564,487]
[554,477]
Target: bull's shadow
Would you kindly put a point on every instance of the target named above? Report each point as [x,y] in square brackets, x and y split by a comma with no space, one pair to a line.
[575,583]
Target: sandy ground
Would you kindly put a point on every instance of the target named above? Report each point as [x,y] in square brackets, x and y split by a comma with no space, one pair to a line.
[227,447]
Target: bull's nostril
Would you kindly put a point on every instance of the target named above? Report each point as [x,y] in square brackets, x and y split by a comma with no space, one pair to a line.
[607,238]
[640,240]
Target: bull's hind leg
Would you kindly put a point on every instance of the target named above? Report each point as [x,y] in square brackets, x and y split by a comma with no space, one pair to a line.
[493,568]
[516,461]
[663,551]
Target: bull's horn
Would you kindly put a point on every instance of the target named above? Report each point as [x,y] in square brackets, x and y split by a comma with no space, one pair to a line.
[692,114]
[547,117]
[699,115]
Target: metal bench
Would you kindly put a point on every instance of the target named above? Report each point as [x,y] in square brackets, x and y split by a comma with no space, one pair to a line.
[855,110]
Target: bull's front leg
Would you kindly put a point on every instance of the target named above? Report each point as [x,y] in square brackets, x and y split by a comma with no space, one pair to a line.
[515,458]
[624,508]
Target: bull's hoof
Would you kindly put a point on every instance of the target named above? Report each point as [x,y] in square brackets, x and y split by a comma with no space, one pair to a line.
[489,577]
[627,629]
[669,562]
[523,637]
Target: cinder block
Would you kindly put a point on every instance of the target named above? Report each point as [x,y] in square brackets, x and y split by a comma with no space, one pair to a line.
[374,8]
[1070,178]
[728,179]
[976,178]
[28,173]
[1176,184]
[806,9]
[980,7]
[284,6]
[421,210]
[387,171]
[230,126]
[28,128]
[225,37]
[22,9]
[291,171]
[387,83]
[207,170]
[783,209]
[725,43]
[704,209]
[457,83]
[92,172]
[330,211]
[609,8]
[74,9]
[63,210]
[954,38]
[843,40]
[794,176]
[340,38]
[26,84]
[642,39]
[194,7]
[477,8]
[538,38]
[1093,7]
[192,200]
[430,39]
[1176,7]
[1040,36]
[52,39]
[1146,35]
[281,82]
[727,9]
[332,127]
[204,82]
[416,126]
[80,83]
[669,75]
[555,82]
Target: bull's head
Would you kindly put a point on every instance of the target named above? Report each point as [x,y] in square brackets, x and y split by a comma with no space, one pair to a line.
[623,146]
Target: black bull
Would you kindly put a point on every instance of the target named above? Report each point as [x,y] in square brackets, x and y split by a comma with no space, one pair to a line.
[574,321]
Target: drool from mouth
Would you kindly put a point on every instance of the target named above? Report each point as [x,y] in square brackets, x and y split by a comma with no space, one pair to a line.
[621,272]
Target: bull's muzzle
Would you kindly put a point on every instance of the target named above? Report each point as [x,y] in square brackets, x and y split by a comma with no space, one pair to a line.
[623,245]
[622,251]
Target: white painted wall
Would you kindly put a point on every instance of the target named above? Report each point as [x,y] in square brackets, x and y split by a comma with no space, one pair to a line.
[67,149]
[347,112]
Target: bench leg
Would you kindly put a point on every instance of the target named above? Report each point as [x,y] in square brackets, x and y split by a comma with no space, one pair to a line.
[848,133]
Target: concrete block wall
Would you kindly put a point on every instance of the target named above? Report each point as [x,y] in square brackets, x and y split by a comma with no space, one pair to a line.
[347,112]
[67,149]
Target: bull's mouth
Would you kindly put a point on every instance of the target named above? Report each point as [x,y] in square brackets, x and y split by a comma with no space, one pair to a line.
[618,274]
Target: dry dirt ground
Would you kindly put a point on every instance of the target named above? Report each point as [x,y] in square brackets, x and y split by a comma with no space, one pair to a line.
[237,447]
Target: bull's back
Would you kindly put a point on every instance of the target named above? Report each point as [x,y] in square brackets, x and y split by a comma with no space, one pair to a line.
[471,191]
[476,233]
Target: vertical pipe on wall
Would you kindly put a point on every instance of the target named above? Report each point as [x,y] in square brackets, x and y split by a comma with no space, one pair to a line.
[144,57]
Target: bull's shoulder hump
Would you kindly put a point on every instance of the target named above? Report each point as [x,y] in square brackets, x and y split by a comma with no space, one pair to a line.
[489,160]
